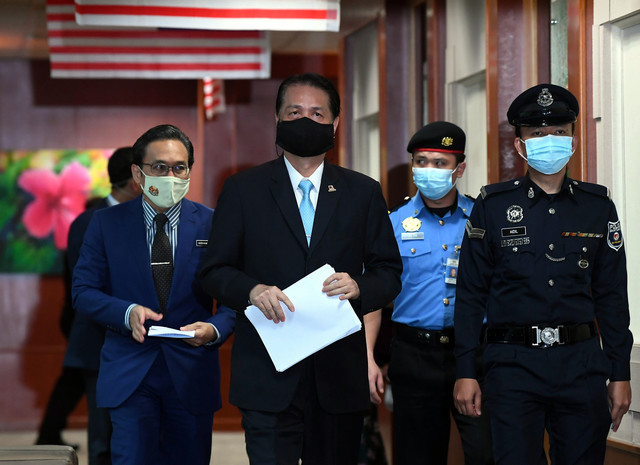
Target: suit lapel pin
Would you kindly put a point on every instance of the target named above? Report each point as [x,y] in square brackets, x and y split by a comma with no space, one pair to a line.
[331,188]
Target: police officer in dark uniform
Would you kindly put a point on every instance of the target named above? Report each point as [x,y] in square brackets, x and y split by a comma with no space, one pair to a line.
[543,256]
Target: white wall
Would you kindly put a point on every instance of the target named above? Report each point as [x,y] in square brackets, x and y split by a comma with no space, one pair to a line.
[466,99]
[616,67]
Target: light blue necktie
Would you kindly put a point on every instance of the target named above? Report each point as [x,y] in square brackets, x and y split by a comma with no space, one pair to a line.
[306,208]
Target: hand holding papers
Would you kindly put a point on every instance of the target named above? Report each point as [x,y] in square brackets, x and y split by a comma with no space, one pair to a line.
[163,331]
[318,321]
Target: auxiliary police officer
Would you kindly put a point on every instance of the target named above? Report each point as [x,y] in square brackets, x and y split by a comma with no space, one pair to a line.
[543,256]
[429,228]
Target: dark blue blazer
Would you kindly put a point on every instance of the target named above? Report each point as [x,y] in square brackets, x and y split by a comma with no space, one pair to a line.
[86,336]
[114,271]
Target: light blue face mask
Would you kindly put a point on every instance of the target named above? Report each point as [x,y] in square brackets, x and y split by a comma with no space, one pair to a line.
[433,183]
[548,154]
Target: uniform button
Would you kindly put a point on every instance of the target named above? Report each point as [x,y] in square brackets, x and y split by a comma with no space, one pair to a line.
[445,301]
[515,249]
[552,211]
[444,247]
[413,250]
[551,282]
[516,183]
[551,246]
[441,223]
[584,249]
[464,210]
[415,212]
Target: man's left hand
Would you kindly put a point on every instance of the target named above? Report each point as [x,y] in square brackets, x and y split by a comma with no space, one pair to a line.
[341,284]
[204,333]
[619,393]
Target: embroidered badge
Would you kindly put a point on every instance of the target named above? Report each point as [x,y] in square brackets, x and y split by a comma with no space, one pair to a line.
[614,238]
[515,214]
[411,224]
[447,141]
[474,233]
[153,190]
[545,98]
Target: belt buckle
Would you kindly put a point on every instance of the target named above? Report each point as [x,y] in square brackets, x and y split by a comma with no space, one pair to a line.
[547,337]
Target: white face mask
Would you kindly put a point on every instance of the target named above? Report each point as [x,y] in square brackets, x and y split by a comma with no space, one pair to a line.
[164,191]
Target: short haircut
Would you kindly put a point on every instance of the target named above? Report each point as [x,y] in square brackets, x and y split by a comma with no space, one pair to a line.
[312,80]
[161,132]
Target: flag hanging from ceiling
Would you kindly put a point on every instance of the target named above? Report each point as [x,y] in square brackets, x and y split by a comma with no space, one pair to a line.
[149,53]
[273,15]
[214,101]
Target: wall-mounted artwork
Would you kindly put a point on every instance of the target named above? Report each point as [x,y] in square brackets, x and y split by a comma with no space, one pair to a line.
[41,193]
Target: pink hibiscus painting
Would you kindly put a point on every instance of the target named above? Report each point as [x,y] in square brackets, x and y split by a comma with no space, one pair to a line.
[58,200]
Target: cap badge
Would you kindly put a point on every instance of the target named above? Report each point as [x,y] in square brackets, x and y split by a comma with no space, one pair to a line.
[545,98]
[515,214]
[447,141]
[411,224]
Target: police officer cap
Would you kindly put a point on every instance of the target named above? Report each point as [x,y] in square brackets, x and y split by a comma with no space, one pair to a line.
[543,105]
[119,166]
[439,136]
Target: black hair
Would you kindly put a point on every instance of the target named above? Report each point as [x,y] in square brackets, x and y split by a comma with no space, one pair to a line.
[312,80]
[161,132]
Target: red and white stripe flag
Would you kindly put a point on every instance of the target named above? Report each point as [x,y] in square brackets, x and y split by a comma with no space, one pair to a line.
[214,102]
[148,53]
[274,15]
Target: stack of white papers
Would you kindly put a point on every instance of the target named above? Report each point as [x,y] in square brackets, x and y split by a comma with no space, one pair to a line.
[318,321]
[163,331]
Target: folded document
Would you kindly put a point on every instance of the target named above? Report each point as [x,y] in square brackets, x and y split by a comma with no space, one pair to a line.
[318,321]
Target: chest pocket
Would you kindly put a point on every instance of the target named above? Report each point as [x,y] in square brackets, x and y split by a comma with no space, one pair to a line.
[579,255]
[417,261]
[515,258]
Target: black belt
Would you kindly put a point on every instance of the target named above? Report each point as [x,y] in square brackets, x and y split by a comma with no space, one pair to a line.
[541,335]
[424,337]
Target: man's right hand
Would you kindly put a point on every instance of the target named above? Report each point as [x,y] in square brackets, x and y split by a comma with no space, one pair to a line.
[137,317]
[267,299]
[467,397]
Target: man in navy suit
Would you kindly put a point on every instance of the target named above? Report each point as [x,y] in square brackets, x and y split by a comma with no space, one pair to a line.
[274,224]
[138,267]
[87,336]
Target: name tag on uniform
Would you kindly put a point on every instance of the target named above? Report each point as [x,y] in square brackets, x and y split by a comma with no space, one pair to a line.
[451,273]
[413,236]
[202,242]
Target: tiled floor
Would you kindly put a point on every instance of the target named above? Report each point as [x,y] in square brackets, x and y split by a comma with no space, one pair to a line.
[228,448]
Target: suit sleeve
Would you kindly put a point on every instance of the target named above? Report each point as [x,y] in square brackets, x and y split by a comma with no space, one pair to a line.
[91,285]
[609,291]
[220,275]
[224,320]
[380,282]
[472,290]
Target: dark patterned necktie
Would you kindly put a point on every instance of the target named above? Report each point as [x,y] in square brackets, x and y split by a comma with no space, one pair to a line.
[162,261]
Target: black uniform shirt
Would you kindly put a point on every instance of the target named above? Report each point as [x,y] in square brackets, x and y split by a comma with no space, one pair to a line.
[529,258]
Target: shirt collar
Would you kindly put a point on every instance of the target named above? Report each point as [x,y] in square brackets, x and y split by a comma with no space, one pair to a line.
[296,177]
[173,214]
[419,205]
[534,192]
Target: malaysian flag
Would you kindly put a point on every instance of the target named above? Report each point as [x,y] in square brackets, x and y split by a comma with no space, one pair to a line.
[122,52]
[274,15]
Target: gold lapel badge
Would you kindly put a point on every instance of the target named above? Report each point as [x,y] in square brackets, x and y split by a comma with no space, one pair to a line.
[331,188]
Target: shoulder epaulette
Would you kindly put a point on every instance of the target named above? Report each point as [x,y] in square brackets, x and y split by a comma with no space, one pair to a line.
[404,202]
[491,189]
[592,188]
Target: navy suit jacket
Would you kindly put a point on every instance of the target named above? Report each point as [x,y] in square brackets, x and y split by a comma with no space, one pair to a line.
[114,271]
[87,336]
[258,237]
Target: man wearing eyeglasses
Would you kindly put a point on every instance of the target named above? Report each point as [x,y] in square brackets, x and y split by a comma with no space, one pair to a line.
[137,268]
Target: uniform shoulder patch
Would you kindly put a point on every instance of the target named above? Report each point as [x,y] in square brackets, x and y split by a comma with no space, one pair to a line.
[404,202]
[474,233]
[492,189]
[591,188]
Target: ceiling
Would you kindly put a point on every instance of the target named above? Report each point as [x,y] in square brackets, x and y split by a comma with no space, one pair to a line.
[23,29]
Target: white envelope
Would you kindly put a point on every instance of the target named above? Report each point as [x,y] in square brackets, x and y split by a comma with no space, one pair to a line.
[318,321]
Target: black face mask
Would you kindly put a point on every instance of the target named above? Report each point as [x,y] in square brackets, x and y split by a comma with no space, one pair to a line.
[304,137]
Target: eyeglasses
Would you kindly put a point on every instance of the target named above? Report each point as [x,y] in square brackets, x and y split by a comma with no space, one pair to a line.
[162,169]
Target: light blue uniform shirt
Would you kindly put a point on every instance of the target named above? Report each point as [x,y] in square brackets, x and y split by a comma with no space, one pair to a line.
[426,301]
